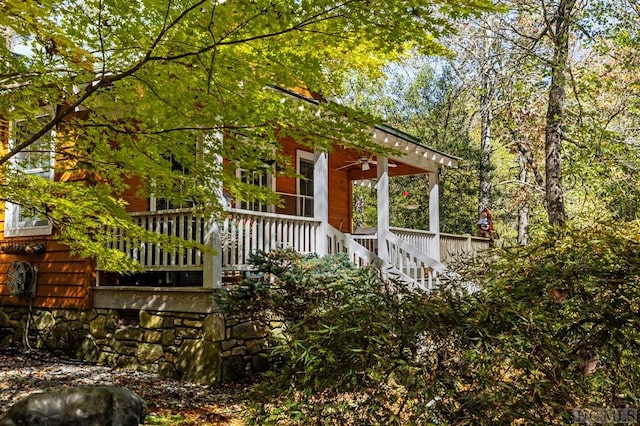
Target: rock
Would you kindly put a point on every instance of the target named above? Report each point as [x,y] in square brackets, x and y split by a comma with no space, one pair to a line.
[7,329]
[5,322]
[226,345]
[78,406]
[255,346]
[234,368]
[150,321]
[129,334]
[260,363]
[199,361]
[192,323]
[249,330]
[88,350]
[43,320]
[214,327]
[149,352]
[168,337]
[107,358]
[166,369]
[189,333]
[152,336]
[97,327]
[130,362]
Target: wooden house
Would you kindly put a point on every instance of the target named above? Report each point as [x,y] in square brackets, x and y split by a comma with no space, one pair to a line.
[165,319]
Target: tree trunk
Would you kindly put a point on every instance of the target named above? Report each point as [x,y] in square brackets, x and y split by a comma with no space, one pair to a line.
[523,206]
[554,192]
[526,168]
[486,89]
[6,34]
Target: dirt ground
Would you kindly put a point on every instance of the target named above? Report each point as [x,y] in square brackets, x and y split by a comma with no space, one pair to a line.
[170,402]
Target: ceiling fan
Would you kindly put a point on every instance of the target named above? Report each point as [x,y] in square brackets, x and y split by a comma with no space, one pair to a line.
[364,162]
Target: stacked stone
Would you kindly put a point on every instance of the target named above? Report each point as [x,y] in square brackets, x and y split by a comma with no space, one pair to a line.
[202,348]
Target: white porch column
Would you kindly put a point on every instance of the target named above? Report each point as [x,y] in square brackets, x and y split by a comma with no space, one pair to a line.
[434,213]
[212,262]
[321,199]
[383,206]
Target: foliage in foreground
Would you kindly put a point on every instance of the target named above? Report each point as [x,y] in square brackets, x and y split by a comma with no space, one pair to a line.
[139,95]
[554,327]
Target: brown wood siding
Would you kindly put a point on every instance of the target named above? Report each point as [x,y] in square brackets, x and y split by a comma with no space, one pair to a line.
[287,185]
[63,280]
[340,190]
[339,185]
[135,203]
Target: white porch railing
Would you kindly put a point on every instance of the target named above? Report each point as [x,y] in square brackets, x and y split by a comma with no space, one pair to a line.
[370,242]
[180,223]
[358,253]
[407,262]
[422,240]
[362,256]
[455,247]
[412,261]
[244,232]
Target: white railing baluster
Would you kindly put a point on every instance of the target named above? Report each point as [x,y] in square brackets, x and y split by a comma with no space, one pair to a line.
[292,240]
[242,254]
[260,233]
[233,246]
[272,235]
[195,254]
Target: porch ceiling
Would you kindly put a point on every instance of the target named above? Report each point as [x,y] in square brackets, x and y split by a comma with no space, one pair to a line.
[400,169]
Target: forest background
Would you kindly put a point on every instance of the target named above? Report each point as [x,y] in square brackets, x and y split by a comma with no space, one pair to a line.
[541,102]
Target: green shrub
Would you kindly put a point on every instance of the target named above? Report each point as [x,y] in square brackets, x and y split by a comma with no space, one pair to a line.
[553,327]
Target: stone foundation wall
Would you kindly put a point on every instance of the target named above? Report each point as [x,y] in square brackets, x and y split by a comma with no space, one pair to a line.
[202,348]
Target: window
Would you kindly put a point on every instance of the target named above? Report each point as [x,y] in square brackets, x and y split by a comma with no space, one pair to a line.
[259,178]
[305,166]
[35,160]
[161,203]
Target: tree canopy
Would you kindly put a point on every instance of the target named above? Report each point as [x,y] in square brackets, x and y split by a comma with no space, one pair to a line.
[505,62]
[138,87]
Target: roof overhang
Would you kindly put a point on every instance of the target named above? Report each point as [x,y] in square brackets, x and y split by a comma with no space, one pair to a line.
[412,151]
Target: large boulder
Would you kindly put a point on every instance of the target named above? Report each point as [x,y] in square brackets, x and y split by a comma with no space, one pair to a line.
[78,406]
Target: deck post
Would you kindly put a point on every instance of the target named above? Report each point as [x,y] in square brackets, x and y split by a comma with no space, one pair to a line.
[434,213]
[383,206]
[321,199]
[212,262]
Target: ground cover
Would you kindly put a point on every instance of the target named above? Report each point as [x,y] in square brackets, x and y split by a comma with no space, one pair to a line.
[170,402]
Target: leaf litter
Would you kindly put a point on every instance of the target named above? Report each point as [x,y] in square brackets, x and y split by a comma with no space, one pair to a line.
[170,402]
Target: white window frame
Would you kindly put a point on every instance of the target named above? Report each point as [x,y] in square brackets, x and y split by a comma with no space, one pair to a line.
[13,225]
[309,157]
